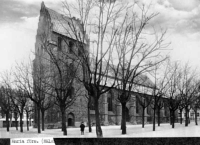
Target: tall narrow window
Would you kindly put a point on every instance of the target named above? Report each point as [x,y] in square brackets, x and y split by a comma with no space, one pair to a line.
[79,51]
[71,44]
[109,100]
[71,70]
[92,104]
[59,43]
[148,110]
[71,93]
[137,106]
[165,108]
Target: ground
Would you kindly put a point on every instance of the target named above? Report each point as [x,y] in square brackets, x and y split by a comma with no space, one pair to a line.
[164,130]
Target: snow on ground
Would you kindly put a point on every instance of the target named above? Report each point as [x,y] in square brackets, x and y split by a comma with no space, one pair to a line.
[164,130]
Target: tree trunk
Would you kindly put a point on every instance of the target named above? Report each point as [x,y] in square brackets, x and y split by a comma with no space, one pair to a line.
[21,122]
[170,114]
[98,125]
[16,122]
[173,119]
[154,119]
[186,117]
[143,109]
[123,118]
[181,119]
[35,116]
[89,121]
[30,121]
[27,123]
[196,123]
[38,120]
[7,121]
[159,117]
[10,122]
[64,128]
[42,112]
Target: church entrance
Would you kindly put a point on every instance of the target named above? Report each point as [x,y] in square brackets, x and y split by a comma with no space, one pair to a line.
[70,119]
[127,115]
[70,122]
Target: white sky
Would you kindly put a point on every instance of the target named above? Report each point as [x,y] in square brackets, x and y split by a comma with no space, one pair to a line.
[19,20]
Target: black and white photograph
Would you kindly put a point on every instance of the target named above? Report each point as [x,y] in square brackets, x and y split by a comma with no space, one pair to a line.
[86,71]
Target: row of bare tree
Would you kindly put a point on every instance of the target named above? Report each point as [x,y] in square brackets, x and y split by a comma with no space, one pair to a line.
[14,101]
[123,45]
[175,88]
[119,48]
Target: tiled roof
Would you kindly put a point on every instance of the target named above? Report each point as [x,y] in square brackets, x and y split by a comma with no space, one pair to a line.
[141,80]
[144,80]
[65,25]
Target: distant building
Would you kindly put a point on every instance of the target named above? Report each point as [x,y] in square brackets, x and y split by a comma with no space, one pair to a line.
[110,110]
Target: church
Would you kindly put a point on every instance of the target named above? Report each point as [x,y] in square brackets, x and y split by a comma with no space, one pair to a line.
[56,25]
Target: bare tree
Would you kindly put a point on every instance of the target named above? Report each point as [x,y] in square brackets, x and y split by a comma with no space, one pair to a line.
[136,56]
[46,103]
[89,99]
[28,109]
[62,83]
[17,96]
[144,100]
[16,116]
[23,77]
[119,28]
[188,88]
[42,90]
[7,93]
[5,104]
[160,84]
[98,19]
[195,106]
[160,105]
[181,107]
[19,99]
[172,94]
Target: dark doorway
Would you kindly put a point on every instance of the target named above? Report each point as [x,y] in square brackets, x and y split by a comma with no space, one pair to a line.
[127,115]
[70,119]
[70,122]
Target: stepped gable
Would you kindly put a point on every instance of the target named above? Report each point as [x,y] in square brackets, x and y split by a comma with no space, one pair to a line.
[64,25]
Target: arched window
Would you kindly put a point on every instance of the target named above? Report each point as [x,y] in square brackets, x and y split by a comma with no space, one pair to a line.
[109,100]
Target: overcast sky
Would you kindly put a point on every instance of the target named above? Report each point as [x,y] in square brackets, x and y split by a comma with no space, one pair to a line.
[19,20]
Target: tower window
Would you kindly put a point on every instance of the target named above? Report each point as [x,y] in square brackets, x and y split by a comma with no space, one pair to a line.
[59,43]
[79,52]
[71,44]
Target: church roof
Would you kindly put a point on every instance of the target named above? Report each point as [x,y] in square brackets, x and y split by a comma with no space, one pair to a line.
[144,80]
